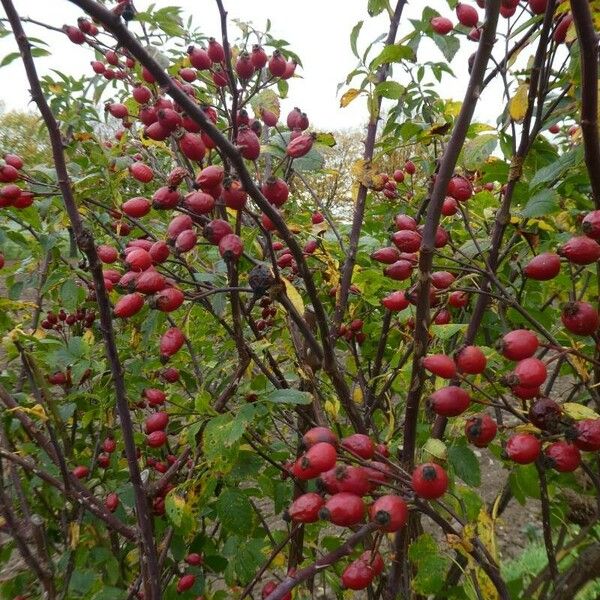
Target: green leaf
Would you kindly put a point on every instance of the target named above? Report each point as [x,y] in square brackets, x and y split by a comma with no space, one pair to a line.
[542,203]
[431,565]
[376,7]
[390,89]
[392,54]
[465,464]
[448,44]
[235,511]
[12,56]
[288,396]
[445,332]
[354,38]
[524,483]
[477,150]
[557,168]
[326,139]
[179,512]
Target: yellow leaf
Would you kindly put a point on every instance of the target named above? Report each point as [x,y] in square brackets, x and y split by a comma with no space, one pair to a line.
[348,96]
[295,298]
[73,534]
[88,336]
[357,395]
[135,338]
[579,411]
[36,411]
[368,175]
[319,227]
[332,408]
[279,560]
[462,544]
[517,106]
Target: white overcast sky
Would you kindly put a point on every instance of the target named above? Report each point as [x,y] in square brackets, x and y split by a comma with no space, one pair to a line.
[317,30]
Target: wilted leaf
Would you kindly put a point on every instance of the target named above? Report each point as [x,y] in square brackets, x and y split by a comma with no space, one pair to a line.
[349,96]
[266,100]
[517,106]
[294,297]
[579,411]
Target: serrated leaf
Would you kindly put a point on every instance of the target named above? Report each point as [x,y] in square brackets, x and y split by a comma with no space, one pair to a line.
[235,511]
[541,204]
[393,53]
[517,105]
[557,167]
[478,150]
[376,7]
[465,464]
[349,96]
[288,396]
[448,44]
[390,89]
[445,332]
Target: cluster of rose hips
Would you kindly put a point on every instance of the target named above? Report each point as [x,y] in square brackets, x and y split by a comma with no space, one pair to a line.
[342,486]
[267,313]
[76,321]
[468,16]
[353,331]
[389,183]
[11,194]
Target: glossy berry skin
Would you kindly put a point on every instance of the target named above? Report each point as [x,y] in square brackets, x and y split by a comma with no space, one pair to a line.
[387,256]
[170,342]
[441,26]
[357,575]
[440,365]
[525,393]
[530,372]
[480,430]
[389,512]
[523,448]
[231,247]
[317,459]
[359,444]
[580,318]
[154,397]
[471,360]
[319,434]
[458,299]
[141,172]
[450,401]
[407,240]
[111,502]
[276,191]
[519,344]
[396,301]
[466,15]
[185,583]
[305,508]
[399,270]
[545,414]
[194,559]
[563,456]
[156,439]
[543,267]
[345,479]
[81,471]
[460,188]
[581,250]
[429,481]
[128,305]
[587,435]
[591,225]
[343,509]
[538,7]
[156,422]
[300,146]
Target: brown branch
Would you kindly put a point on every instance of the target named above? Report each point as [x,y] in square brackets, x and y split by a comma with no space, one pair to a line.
[588,45]
[290,582]
[585,568]
[547,527]
[113,24]
[361,197]
[85,242]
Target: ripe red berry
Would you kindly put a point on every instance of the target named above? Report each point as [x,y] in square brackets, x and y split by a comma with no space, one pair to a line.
[471,360]
[103,460]
[305,508]
[396,301]
[449,401]
[560,31]
[359,444]
[107,254]
[109,445]
[186,241]
[319,434]
[591,224]
[525,393]
[580,318]
[234,195]
[216,230]
[194,559]
[111,502]
[258,56]
[460,188]
[345,479]
[138,259]
[192,146]
[81,471]
[215,51]
[244,67]
[543,267]
[406,240]
[231,247]
[389,512]
[519,344]
[276,191]
[458,299]
[440,365]
[399,270]
[300,146]
[538,7]
[587,434]
[523,448]
[317,459]
[149,282]
[580,250]
[480,430]
[154,397]
[157,421]
[159,252]
[199,58]
[429,481]
[141,172]
[563,456]
[156,439]
[357,575]
[467,15]
[248,143]
[170,342]
[343,509]
[128,305]
[442,279]
[277,64]
[529,372]
[136,207]
[185,583]
[74,34]
[441,25]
